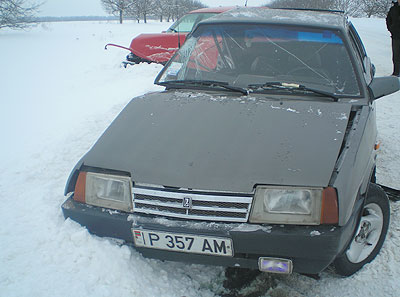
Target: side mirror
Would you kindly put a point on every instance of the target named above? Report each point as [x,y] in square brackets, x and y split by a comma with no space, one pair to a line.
[369,70]
[382,86]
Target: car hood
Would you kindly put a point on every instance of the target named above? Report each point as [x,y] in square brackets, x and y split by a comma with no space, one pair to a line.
[157,47]
[223,143]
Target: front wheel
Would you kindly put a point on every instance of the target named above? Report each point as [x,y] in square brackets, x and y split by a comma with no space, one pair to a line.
[370,235]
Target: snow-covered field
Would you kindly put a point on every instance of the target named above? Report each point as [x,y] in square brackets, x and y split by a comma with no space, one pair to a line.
[59,90]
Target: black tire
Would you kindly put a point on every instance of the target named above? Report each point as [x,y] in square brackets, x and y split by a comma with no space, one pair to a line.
[369,235]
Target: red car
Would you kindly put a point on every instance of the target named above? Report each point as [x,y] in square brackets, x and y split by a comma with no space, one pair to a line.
[159,47]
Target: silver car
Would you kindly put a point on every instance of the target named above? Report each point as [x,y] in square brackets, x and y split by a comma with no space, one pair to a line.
[260,153]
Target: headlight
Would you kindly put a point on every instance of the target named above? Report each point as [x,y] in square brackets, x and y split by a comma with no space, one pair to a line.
[286,205]
[104,190]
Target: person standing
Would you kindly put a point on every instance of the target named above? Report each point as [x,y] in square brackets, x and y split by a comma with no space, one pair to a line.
[393,25]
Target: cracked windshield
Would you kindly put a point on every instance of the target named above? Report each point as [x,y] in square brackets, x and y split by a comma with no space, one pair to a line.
[246,55]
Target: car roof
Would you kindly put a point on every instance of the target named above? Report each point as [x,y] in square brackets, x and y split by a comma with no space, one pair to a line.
[265,15]
[212,9]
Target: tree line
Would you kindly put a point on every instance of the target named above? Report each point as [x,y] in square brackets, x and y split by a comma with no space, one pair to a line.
[20,14]
[17,14]
[356,8]
[142,9]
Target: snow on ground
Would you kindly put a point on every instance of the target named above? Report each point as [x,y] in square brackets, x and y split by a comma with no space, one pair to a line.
[59,90]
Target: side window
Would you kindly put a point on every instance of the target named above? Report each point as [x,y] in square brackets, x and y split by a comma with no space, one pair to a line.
[357,39]
[367,66]
[359,53]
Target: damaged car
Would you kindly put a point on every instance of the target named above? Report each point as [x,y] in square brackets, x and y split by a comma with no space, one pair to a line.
[160,47]
[260,153]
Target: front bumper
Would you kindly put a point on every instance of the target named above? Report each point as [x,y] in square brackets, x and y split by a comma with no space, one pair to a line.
[310,248]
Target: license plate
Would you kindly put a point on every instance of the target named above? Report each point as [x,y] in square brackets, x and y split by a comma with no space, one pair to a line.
[178,242]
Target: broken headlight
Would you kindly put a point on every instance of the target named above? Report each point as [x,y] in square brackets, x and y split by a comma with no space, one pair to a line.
[104,190]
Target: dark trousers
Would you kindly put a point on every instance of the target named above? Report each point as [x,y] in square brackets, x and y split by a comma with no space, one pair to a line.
[396,56]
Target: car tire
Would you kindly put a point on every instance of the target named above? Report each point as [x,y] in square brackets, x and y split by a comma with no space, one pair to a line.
[369,235]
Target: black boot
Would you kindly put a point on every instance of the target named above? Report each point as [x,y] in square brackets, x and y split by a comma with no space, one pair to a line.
[396,69]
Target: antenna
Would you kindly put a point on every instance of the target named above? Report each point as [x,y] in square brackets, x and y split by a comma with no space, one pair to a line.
[177,17]
[179,38]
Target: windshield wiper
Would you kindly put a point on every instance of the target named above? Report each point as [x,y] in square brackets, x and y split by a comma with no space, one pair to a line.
[208,83]
[291,87]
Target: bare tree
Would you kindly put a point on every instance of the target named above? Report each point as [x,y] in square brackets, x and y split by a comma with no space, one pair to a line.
[146,7]
[168,9]
[350,7]
[303,4]
[181,7]
[117,7]
[17,14]
[375,7]
[134,10]
[169,12]
[141,8]
[159,9]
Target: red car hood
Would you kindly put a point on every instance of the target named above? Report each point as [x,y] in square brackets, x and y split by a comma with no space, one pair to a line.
[158,47]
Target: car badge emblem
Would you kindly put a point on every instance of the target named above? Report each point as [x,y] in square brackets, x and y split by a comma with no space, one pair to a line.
[187,202]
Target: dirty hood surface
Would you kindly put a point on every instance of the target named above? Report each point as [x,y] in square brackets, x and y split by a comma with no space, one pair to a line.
[200,141]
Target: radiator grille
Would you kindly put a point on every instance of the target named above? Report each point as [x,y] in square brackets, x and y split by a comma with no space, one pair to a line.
[203,206]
